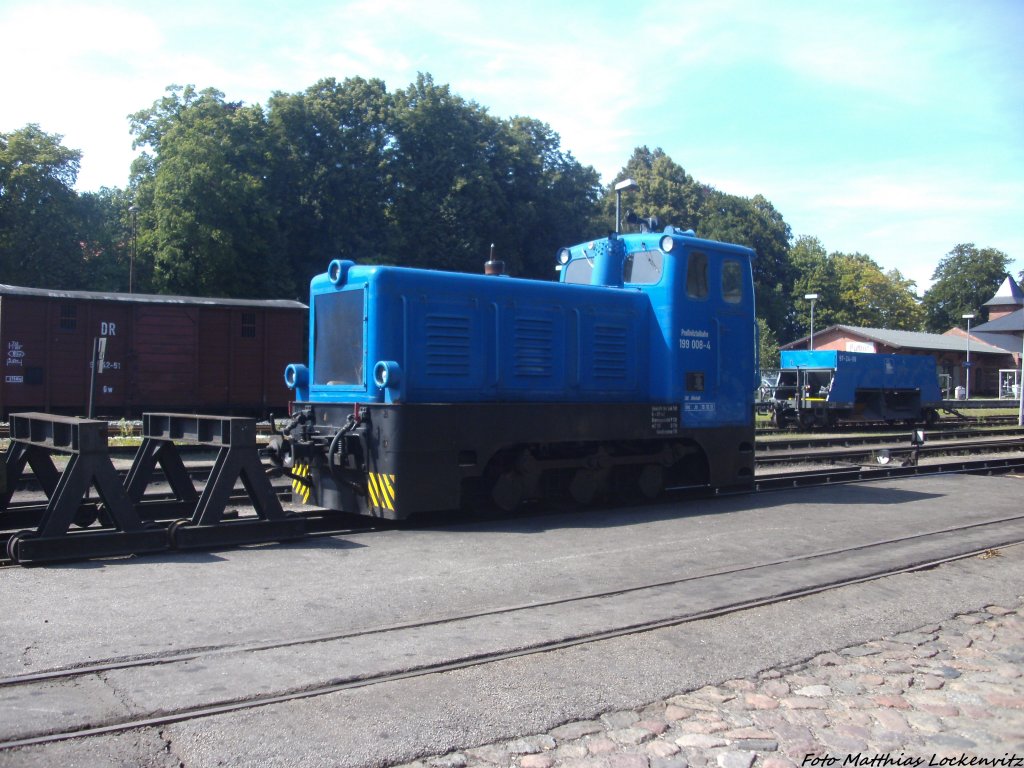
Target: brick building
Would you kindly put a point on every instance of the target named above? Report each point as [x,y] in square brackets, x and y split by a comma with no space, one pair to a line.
[949,351]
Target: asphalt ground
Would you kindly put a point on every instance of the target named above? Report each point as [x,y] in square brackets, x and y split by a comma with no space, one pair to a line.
[357,596]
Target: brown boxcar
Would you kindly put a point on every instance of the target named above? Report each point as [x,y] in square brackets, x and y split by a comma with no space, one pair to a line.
[163,353]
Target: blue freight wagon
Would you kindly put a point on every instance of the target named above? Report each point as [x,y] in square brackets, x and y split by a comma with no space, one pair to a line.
[826,387]
[427,390]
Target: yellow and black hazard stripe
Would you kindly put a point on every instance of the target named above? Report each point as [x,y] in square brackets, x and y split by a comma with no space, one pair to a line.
[381,489]
[302,483]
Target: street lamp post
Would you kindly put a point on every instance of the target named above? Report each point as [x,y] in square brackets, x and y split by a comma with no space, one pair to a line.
[1020,383]
[967,387]
[621,187]
[812,297]
[134,211]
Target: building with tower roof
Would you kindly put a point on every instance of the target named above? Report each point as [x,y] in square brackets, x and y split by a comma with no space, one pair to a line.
[1005,329]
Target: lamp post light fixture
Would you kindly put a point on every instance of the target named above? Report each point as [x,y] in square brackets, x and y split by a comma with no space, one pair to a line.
[812,297]
[967,365]
[621,187]
[134,211]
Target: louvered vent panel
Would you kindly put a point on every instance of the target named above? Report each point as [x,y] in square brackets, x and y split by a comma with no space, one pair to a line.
[533,341]
[447,345]
[610,352]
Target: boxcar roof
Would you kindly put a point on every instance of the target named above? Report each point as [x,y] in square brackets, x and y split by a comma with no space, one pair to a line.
[149,298]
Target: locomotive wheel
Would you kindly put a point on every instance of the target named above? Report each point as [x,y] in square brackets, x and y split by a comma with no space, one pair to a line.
[584,486]
[507,491]
[651,481]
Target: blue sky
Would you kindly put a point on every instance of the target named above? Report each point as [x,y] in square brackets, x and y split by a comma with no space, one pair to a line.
[890,128]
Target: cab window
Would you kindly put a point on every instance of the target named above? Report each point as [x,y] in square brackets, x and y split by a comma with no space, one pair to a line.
[697,275]
[732,281]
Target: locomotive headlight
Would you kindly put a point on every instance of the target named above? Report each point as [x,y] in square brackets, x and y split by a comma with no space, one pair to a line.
[337,270]
[387,373]
[666,243]
[296,375]
[563,256]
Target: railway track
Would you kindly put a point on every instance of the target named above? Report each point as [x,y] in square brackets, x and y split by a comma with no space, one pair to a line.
[132,430]
[366,657]
[868,451]
[867,460]
[783,441]
[964,422]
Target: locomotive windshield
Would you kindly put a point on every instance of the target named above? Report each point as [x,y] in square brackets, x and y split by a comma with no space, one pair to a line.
[338,345]
[639,268]
[642,268]
[579,271]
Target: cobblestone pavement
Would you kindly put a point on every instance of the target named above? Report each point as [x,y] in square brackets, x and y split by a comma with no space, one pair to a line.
[936,696]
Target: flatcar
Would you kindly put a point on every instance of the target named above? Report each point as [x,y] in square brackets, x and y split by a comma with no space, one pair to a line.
[426,390]
[823,388]
[162,353]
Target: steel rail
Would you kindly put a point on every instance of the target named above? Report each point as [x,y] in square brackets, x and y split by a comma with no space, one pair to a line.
[843,452]
[783,443]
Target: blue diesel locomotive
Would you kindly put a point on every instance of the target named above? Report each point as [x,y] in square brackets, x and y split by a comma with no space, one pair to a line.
[428,390]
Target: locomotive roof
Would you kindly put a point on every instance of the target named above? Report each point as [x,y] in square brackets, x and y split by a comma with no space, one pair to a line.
[149,298]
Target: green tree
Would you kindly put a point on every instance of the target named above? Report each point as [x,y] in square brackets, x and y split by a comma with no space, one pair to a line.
[421,177]
[106,228]
[39,214]
[813,272]
[214,224]
[964,280]
[666,191]
[549,199]
[852,290]
[331,176]
[444,194]
[768,345]
[873,298]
